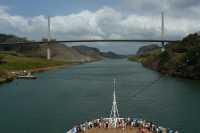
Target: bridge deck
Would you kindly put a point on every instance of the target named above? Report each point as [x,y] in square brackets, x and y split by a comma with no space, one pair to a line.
[115,130]
[94,40]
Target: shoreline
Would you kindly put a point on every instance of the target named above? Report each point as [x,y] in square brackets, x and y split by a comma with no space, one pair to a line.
[38,70]
[5,80]
[34,70]
[170,73]
[42,69]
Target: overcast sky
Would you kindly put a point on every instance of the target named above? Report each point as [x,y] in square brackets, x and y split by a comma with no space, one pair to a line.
[99,19]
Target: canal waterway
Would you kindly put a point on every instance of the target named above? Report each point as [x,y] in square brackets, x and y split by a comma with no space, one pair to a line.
[61,98]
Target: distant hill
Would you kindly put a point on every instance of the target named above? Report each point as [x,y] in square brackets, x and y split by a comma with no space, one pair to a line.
[4,38]
[88,51]
[179,59]
[97,53]
[146,49]
[112,55]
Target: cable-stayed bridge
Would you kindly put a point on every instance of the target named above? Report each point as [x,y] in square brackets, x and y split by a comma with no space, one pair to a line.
[162,40]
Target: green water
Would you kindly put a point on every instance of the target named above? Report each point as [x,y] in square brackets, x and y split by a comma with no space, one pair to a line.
[62,98]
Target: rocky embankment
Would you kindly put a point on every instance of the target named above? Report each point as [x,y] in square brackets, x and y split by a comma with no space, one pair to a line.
[5,77]
[179,59]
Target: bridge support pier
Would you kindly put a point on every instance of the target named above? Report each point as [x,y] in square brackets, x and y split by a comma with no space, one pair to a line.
[48,53]
[163,47]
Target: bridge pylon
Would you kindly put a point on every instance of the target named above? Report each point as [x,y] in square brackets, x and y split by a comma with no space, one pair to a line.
[49,39]
[162,31]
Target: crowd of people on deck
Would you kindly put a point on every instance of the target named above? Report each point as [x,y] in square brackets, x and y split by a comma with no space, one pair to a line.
[142,125]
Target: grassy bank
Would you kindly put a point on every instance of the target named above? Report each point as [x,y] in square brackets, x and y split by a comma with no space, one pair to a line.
[16,62]
[20,62]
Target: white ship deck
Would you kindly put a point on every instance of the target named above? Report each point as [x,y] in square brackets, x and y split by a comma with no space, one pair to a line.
[116,130]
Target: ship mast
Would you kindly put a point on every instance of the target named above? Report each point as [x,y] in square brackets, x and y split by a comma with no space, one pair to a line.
[114,115]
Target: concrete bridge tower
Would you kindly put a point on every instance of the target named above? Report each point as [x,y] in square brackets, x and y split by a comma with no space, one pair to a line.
[49,39]
[162,31]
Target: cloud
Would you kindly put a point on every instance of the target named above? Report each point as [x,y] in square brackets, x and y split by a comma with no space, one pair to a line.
[174,8]
[184,3]
[22,26]
[105,22]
